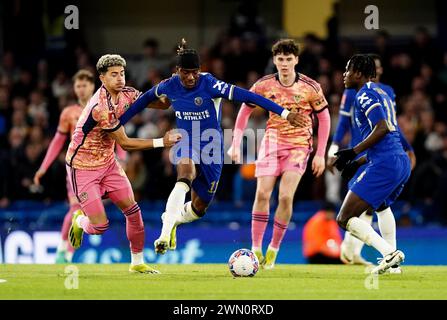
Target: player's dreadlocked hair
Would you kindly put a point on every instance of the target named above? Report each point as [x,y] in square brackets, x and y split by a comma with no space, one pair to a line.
[187,58]
[363,63]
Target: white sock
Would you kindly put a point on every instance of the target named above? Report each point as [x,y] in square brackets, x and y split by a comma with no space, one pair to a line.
[187,214]
[174,206]
[63,246]
[353,245]
[387,226]
[366,233]
[137,258]
[358,244]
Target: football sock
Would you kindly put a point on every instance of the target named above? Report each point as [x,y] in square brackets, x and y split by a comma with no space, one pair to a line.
[259,221]
[134,228]
[387,226]
[187,214]
[358,244]
[136,258]
[366,233]
[279,230]
[90,228]
[174,206]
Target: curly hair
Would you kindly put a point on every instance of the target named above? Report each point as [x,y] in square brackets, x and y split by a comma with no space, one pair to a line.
[109,60]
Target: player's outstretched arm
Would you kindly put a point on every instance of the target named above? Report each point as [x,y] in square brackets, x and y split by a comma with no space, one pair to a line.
[132,144]
[139,105]
[295,119]
[56,145]
[239,127]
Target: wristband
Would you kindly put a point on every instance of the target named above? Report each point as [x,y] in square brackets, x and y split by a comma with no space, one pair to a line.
[285,113]
[158,143]
[333,149]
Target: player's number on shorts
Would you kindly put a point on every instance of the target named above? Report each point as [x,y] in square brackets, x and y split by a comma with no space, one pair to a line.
[213,187]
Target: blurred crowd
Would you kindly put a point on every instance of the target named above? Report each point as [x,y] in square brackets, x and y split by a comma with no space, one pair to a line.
[32,97]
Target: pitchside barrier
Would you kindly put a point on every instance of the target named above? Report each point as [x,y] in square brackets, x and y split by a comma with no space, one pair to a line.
[30,233]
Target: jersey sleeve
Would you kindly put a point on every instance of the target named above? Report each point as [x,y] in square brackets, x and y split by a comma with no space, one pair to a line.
[64,122]
[343,125]
[255,88]
[371,107]
[347,101]
[344,122]
[139,105]
[161,89]
[218,88]
[317,99]
[105,119]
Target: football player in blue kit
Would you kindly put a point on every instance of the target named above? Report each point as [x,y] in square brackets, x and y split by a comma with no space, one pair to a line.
[387,165]
[351,246]
[196,100]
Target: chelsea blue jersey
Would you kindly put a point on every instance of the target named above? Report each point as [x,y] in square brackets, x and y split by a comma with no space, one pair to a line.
[197,109]
[347,109]
[371,105]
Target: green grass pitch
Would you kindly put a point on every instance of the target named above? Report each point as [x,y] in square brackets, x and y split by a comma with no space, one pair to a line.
[214,282]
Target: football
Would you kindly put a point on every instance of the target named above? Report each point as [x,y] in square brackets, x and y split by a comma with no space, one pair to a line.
[243,263]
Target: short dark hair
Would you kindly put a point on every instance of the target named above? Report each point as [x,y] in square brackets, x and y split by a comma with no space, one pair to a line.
[285,46]
[84,74]
[363,63]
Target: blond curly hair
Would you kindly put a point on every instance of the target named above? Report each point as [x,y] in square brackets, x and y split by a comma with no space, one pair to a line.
[109,60]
